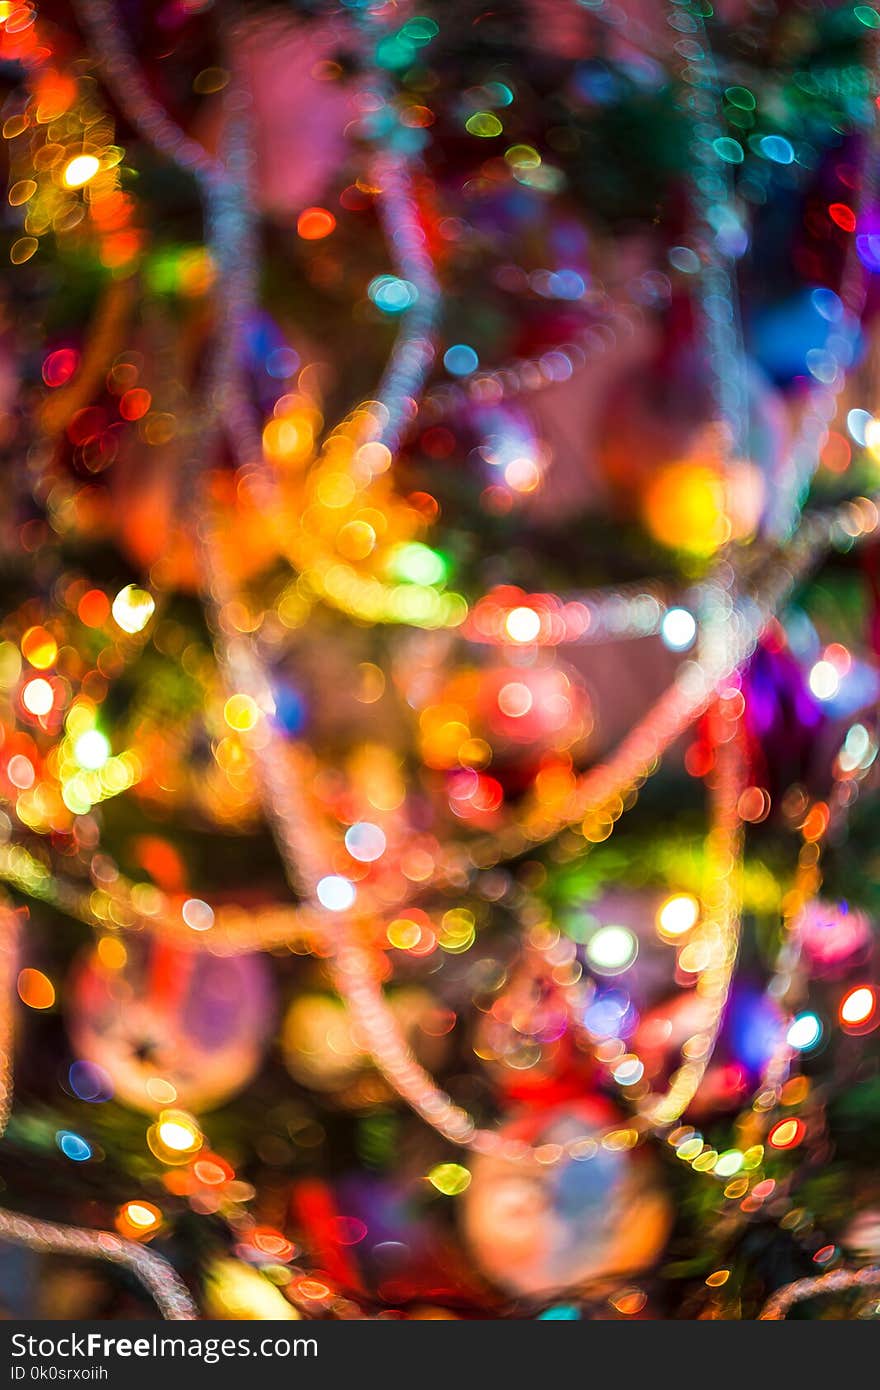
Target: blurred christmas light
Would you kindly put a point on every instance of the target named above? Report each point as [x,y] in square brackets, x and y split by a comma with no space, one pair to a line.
[729,1163]
[80,170]
[824,680]
[197,914]
[132,609]
[678,629]
[39,648]
[73,1146]
[91,749]
[313,224]
[460,360]
[38,697]
[450,1178]
[612,949]
[175,1136]
[138,1220]
[365,842]
[335,893]
[857,1007]
[522,624]
[417,564]
[787,1134]
[805,1032]
[35,989]
[678,915]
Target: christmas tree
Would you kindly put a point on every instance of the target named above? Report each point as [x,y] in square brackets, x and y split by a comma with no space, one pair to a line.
[439,660]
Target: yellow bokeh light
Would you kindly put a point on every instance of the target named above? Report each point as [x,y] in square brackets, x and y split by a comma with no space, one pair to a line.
[241,713]
[235,1291]
[684,508]
[289,439]
[140,1215]
[175,1136]
[450,1178]
[112,953]
[677,915]
[39,648]
[79,170]
[404,933]
[872,437]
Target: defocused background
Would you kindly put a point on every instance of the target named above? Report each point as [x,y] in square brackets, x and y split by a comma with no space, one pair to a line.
[439,659]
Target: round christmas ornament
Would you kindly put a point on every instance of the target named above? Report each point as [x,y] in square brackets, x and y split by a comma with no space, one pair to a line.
[236,1292]
[521,710]
[322,1050]
[833,935]
[783,719]
[298,127]
[752,1029]
[526,1042]
[170,1026]
[536,1229]
[663,1031]
[544,705]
